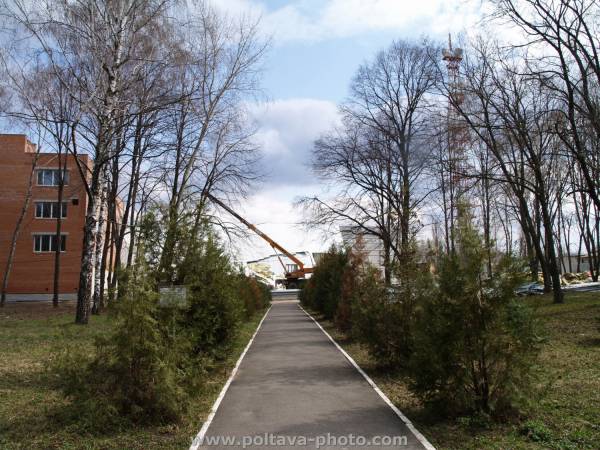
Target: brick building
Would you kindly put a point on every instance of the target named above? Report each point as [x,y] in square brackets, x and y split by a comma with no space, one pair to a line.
[32,274]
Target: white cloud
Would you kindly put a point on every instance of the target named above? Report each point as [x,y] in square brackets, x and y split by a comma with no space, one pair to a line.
[287,130]
[239,6]
[306,20]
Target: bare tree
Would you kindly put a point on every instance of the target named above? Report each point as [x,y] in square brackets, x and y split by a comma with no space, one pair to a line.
[90,48]
[40,102]
[567,64]
[512,116]
[380,154]
[207,137]
[364,166]
[154,98]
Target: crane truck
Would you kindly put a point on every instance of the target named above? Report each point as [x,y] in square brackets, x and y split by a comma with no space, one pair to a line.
[293,279]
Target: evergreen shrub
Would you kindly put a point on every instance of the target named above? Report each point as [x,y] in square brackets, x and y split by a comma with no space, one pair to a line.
[322,292]
[475,342]
[135,374]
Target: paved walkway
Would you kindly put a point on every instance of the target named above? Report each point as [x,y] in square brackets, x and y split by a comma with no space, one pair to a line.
[295,387]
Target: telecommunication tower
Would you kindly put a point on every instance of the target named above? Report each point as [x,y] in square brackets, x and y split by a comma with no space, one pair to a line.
[457,134]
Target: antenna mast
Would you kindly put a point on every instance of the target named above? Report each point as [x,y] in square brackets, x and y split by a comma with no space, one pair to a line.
[457,166]
[457,136]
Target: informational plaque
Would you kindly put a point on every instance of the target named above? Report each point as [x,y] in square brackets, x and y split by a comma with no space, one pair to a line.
[173,296]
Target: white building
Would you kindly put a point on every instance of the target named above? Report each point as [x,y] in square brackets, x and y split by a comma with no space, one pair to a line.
[371,245]
[576,263]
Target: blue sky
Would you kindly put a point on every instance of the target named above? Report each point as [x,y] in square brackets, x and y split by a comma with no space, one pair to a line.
[319,44]
[321,70]
[317,47]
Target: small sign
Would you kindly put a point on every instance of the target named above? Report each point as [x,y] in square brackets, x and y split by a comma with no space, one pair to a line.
[173,296]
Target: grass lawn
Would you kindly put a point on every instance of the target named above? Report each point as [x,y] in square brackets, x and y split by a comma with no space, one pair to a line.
[33,414]
[565,409]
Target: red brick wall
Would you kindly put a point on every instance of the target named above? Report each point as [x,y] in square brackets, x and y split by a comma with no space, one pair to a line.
[33,273]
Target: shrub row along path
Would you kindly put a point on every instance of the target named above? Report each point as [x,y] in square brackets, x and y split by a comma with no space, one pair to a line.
[294,383]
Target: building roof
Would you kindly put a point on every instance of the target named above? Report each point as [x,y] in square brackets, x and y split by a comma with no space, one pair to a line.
[302,253]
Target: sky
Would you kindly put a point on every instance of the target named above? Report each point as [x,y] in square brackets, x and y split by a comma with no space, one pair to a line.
[316,48]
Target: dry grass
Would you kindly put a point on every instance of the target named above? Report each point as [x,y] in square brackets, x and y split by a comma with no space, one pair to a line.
[35,310]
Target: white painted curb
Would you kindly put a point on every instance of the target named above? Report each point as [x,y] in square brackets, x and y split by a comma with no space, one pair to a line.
[200,436]
[422,439]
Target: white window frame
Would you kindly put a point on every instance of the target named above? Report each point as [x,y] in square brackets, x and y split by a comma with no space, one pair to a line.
[49,236]
[53,205]
[55,180]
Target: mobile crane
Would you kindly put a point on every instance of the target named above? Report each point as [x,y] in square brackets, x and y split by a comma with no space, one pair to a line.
[293,279]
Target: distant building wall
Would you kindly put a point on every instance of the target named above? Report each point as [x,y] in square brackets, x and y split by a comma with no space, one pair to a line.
[318,256]
[33,271]
[584,263]
[371,245]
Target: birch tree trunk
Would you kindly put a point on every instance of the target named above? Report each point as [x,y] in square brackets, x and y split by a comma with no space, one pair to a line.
[107,257]
[105,131]
[84,292]
[98,275]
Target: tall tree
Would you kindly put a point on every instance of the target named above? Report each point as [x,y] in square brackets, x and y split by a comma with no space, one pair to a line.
[92,49]
[208,138]
[567,64]
[513,117]
[379,155]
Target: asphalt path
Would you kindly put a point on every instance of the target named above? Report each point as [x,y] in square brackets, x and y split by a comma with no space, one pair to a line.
[295,389]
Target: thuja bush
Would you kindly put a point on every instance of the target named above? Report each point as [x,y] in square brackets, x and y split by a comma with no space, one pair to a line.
[375,318]
[153,363]
[219,296]
[345,288]
[135,374]
[384,317]
[322,292]
[474,343]
[215,306]
[254,295]
[351,287]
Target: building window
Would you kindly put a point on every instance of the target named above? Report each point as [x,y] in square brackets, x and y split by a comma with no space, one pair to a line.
[47,243]
[51,177]
[50,210]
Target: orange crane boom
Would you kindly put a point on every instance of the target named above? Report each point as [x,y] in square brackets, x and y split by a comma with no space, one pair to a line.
[290,276]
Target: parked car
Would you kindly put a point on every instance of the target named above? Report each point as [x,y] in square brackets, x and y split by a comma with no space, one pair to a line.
[533,288]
